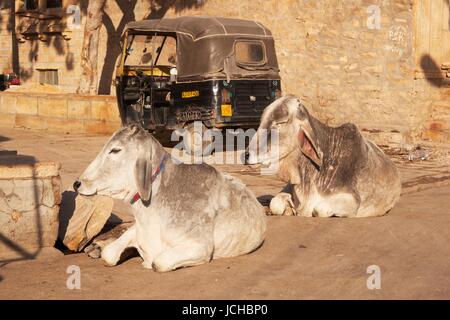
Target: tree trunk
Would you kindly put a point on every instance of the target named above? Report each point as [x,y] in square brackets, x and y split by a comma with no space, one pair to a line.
[89,50]
[15,46]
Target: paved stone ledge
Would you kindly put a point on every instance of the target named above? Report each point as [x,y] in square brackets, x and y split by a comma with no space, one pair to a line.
[30,196]
[11,168]
[56,112]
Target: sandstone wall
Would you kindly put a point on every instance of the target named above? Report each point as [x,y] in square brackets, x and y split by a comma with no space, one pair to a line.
[56,52]
[67,113]
[30,194]
[33,54]
[5,40]
[342,69]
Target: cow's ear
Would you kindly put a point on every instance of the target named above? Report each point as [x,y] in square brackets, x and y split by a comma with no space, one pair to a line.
[309,144]
[143,172]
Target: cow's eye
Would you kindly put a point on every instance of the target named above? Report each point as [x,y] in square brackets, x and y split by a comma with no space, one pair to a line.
[115,150]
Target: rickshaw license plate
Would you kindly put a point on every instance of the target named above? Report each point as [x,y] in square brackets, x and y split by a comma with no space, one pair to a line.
[190,94]
[226,110]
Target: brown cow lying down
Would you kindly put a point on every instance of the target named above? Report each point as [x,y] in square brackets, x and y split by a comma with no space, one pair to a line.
[330,171]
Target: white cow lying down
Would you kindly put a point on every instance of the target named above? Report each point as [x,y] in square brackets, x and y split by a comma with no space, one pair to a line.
[185,215]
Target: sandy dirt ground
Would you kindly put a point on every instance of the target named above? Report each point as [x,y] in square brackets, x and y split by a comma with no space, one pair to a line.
[302,258]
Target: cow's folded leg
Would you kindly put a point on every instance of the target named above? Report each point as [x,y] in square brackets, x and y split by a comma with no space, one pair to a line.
[186,255]
[342,205]
[94,250]
[282,204]
[111,253]
[147,258]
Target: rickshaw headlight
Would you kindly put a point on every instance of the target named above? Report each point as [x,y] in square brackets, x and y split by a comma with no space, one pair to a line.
[215,88]
[173,74]
[131,81]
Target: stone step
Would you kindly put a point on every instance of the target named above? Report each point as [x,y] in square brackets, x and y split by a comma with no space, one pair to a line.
[434,135]
[440,124]
[441,104]
[435,145]
[440,115]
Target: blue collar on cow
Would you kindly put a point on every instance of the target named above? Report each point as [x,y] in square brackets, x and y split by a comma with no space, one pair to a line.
[155,174]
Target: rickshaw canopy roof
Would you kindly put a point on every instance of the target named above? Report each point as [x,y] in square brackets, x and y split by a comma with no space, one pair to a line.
[200,27]
[206,46]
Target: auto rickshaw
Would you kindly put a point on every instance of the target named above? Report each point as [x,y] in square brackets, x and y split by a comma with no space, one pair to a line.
[174,71]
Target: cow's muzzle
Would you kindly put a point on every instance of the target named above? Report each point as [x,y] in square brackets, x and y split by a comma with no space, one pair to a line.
[250,158]
[76,185]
